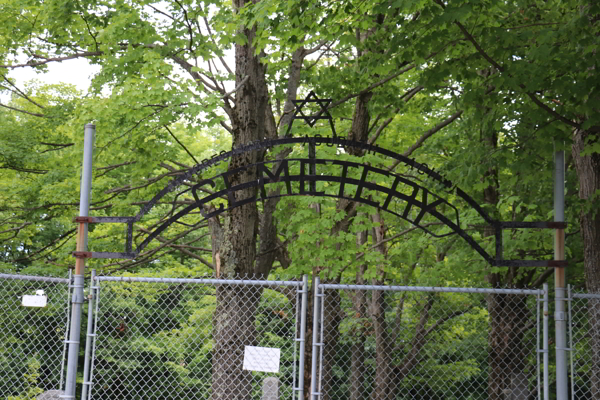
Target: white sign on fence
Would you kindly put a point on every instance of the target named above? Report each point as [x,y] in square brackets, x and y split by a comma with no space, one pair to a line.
[34,301]
[264,359]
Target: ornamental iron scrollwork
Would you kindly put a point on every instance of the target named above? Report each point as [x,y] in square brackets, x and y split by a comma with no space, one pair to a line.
[399,195]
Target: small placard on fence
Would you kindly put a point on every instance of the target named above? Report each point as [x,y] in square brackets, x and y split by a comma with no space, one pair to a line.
[264,359]
[34,301]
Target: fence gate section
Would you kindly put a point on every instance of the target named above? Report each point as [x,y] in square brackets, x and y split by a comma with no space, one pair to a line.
[584,332]
[160,338]
[394,342]
[34,322]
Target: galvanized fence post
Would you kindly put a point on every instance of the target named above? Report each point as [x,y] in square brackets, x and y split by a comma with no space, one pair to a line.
[304,300]
[77,301]
[560,320]
[545,344]
[572,354]
[89,339]
[64,355]
[314,395]
[321,339]
[95,285]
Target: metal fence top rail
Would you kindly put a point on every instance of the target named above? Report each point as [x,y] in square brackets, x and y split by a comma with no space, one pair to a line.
[34,278]
[585,296]
[431,289]
[199,281]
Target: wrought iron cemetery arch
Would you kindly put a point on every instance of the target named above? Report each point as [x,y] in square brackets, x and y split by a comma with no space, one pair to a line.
[278,171]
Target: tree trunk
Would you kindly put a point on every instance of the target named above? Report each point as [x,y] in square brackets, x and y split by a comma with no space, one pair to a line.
[359,306]
[507,314]
[384,382]
[234,320]
[507,354]
[588,174]
[331,323]
[384,374]
[233,329]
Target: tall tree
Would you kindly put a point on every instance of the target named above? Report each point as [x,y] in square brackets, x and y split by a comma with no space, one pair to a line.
[400,73]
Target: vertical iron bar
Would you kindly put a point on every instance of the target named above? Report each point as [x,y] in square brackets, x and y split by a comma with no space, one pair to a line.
[499,244]
[560,279]
[88,339]
[545,344]
[129,237]
[315,342]
[304,294]
[312,167]
[77,301]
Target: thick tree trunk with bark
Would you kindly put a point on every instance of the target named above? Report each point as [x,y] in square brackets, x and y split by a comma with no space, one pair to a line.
[588,174]
[507,315]
[384,374]
[359,306]
[507,353]
[384,381]
[233,326]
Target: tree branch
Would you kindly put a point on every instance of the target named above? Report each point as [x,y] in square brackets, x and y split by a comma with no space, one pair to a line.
[47,60]
[396,236]
[181,144]
[238,87]
[373,86]
[542,278]
[500,68]
[58,146]
[170,243]
[18,228]
[23,111]
[211,36]
[20,92]
[67,235]
[426,135]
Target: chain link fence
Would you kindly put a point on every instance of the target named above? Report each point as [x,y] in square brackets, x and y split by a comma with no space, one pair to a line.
[384,342]
[165,339]
[195,338]
[584,317]
[33,329]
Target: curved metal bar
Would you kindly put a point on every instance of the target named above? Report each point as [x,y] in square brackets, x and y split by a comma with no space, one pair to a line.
[282,175]
[315,141]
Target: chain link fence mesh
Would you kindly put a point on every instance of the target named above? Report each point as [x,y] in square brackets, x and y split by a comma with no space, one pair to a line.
[429,345]
[32,348]
[186,339]
[585,344]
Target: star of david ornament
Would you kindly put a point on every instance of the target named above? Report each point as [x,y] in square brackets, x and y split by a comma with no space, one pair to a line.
[311,120]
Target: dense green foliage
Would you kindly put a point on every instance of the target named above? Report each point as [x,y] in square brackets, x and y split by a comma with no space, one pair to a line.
[482,91]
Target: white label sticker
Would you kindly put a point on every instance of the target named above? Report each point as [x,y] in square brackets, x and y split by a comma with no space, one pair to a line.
[34,301]
[264,359]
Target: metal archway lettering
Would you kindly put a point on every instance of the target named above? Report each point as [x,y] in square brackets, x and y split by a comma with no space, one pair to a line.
[417,200]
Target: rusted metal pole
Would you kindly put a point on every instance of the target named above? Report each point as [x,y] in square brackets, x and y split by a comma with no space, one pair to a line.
[560,284]
[82,233]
